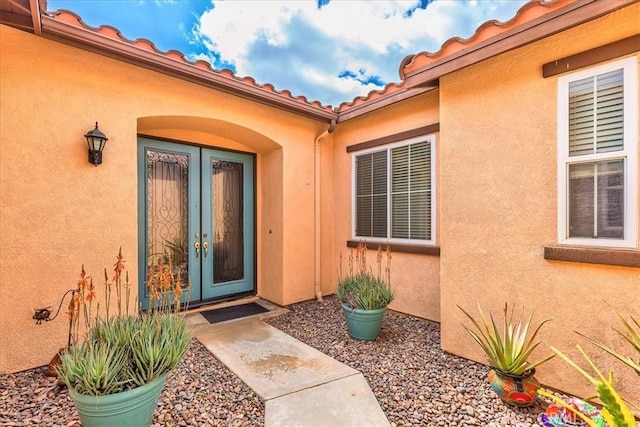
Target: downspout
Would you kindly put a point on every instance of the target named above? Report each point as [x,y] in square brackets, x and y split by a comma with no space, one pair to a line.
[36,10]
[316,209]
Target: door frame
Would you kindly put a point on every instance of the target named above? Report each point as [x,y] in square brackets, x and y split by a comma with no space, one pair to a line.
[142,217]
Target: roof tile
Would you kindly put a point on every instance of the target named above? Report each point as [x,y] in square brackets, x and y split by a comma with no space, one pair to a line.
[409,64]
[371,96]
[73,19]
[527,12]
[488,29]
[144,44]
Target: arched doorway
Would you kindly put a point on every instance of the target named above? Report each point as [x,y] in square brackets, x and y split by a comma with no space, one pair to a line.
[197,210]
[196,203]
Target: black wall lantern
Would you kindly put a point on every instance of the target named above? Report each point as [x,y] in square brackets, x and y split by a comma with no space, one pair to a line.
[96,141]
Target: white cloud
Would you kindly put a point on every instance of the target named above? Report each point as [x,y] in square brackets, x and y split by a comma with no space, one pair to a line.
[233,26]
[297,46]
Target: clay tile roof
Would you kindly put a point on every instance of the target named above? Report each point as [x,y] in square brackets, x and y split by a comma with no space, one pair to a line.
[526,13]
[371,96]
[71,18]
[415,62]
[418,72]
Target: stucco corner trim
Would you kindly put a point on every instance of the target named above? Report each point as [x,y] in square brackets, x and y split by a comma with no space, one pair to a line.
[399,247]
[621,257]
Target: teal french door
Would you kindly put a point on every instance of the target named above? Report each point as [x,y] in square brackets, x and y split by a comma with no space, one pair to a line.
[196,208]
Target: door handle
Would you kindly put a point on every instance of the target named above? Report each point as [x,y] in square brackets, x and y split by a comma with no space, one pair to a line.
[205,247]
[197,246]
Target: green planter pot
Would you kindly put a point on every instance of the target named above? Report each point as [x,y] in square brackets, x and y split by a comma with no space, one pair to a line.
[132,408]
[363,325]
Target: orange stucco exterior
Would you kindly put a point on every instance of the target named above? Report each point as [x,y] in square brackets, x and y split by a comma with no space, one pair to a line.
[495,183]
[415,278]
[498,207]
[59,211]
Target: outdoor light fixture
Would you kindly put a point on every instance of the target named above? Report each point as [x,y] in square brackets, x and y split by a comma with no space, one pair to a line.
[96,141]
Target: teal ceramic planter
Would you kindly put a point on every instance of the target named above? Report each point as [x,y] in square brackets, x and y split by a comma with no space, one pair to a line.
[363,325]
[131,408]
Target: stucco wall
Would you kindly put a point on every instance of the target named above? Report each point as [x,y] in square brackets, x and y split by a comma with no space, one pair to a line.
[498,208]
[495,184]
[415,278]
[58,211]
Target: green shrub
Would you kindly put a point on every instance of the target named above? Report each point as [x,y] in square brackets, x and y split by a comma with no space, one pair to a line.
[360,288]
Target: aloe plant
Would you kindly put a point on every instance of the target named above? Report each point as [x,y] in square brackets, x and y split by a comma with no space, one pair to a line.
[364,291]
[360,288]
[124,351]
[95,369]
[507,348]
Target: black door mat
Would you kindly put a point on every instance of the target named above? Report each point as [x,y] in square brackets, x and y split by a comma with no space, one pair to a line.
[233,312]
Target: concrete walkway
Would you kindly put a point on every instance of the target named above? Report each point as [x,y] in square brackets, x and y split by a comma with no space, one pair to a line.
[300,385]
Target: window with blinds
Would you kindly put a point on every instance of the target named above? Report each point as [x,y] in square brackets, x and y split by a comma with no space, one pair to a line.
[393,192]
[596,114]
[597,140]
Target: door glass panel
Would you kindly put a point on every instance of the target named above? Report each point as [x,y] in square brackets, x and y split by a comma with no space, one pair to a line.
[167,210]
[227,218]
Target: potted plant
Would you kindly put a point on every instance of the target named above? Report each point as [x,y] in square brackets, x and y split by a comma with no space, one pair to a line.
[116,374]
[508,349]
[364,296]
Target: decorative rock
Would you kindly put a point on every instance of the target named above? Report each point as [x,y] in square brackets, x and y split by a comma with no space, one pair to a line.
[415,382]
[214,382]
[404,365]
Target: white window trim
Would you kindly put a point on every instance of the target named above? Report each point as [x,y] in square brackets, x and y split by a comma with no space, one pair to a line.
[388,147]
[629,154]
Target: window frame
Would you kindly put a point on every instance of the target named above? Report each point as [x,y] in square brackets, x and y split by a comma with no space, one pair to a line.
[629,155]
[431,138]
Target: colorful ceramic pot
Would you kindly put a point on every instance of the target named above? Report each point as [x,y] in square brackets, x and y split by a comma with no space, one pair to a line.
[517,390]
[558,416]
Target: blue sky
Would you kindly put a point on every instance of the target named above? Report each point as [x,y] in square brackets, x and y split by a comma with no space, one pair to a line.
[327,50]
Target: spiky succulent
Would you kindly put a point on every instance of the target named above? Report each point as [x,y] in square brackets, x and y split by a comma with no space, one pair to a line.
[507,348]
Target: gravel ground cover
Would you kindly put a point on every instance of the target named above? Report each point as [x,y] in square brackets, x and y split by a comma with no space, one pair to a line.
[199,392]
[415,382]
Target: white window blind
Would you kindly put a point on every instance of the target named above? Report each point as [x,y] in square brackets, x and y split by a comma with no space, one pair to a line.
[411,192]
[393,192]
[596,114]
[371,194]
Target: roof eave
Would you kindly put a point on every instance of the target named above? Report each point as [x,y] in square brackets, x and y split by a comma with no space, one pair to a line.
[384,101]
[91,41]
[544,26]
